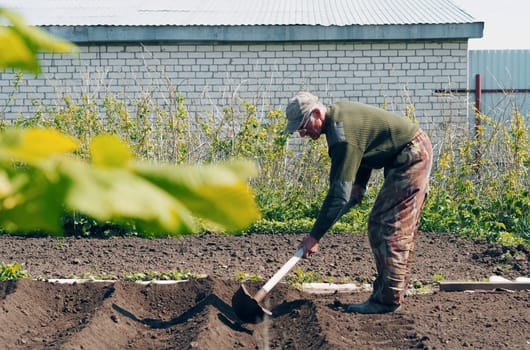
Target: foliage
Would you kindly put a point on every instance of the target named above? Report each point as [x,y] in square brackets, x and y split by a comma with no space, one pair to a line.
[82,225]
[239,134]
[298,277]
[479,197]
[245,277]
[19,44]
[177,275]
[438,277]
[39,179]
[12,271]
[481,186]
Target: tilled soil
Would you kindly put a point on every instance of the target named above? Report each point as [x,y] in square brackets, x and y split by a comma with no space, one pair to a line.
[38,314]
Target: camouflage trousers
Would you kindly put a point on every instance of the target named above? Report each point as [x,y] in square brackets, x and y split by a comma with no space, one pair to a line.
[394,221]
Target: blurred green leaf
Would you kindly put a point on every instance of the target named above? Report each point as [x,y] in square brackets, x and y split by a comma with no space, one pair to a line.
[42,184]
[34,144]
[119,195]
[31,200]
[14,52]
[218,193]
[20,43]
[109,151]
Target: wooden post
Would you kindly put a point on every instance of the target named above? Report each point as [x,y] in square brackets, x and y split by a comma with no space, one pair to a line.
[478,101]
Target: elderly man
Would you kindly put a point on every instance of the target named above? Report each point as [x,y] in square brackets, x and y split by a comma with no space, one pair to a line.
[361,138]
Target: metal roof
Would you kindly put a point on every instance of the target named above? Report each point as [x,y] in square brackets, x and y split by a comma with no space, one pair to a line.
[237,12]
[247,20]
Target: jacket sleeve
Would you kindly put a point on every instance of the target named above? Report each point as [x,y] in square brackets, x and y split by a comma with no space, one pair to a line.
[345,161]
[333,207]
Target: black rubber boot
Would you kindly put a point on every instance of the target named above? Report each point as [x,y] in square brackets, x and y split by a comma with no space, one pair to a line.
[372,307]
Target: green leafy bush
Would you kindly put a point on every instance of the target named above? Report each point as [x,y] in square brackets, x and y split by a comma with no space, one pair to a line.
[481,186]
[483,197]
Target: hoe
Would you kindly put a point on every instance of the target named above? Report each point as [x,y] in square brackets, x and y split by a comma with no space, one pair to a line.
[248,308]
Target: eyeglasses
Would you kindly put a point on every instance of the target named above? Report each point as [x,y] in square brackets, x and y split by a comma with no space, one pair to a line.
[305,120]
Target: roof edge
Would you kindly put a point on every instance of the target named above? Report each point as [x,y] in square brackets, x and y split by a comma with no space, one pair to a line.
[266,33]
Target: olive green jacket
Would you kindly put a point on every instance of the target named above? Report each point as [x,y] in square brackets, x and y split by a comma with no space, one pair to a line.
[360,138]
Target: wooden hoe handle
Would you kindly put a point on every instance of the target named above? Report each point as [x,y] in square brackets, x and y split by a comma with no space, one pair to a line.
[262,293]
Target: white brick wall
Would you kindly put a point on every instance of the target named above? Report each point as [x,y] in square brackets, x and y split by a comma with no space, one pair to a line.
[394,74]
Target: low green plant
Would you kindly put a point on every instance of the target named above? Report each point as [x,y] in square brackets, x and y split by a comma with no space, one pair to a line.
[244,277]
[438,277]
[176,275]
[298,277]
[343,280]
[12,271]
[419,288]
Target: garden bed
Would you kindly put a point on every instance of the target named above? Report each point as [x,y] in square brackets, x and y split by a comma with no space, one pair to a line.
[39,314]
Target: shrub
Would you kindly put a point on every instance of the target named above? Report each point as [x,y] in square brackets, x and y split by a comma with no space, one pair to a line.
[479,185]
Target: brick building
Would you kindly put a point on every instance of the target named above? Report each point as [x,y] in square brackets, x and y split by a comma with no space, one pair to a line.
[394,53]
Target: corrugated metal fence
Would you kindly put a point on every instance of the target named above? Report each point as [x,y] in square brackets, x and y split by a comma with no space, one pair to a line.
[503,79]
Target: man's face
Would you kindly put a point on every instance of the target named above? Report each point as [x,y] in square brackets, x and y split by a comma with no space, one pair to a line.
[311,126]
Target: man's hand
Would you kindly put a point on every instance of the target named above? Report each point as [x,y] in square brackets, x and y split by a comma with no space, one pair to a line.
[310,245]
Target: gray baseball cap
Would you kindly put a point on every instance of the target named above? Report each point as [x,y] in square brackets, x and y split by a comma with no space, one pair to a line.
[299,106]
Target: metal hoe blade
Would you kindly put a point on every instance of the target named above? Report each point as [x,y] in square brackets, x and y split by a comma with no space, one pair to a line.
[247,308]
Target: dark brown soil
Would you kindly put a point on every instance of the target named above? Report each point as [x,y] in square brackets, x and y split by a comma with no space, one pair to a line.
[197,314]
